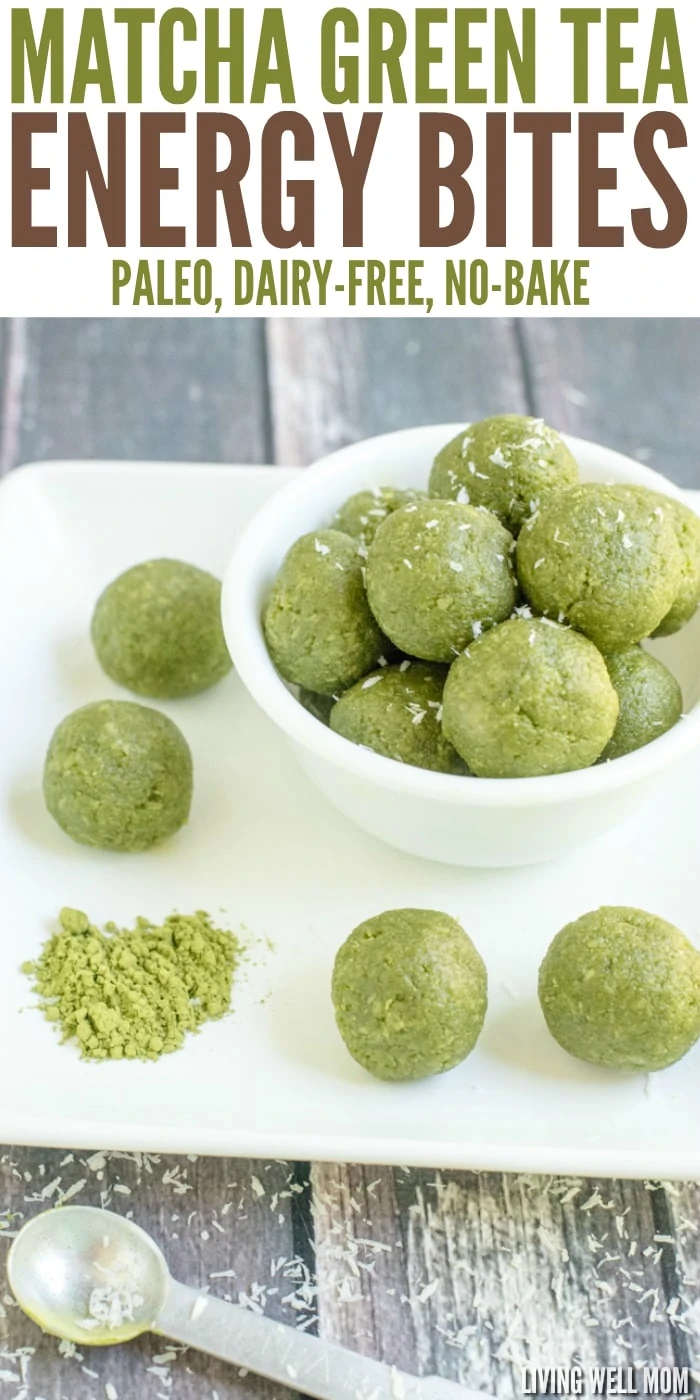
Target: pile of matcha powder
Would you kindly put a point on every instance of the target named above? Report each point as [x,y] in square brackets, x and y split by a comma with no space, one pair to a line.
[134,993]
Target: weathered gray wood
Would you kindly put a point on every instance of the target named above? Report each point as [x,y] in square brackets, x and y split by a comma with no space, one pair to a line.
[332,382]
[474,1276]
[539,1270]
[360,1262]
[632,385]
[163,390]
[678,1239]
[12,365]
[210,1216]
[480,1275]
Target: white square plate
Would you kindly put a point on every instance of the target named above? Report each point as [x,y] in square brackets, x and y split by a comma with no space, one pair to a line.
[274,1079]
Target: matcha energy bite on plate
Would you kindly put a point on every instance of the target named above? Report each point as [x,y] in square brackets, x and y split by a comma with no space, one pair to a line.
[119,776]
[603,558]
[650,700]
[397,711]
[438,574]
[362,514]
[409,990]
[317,622]
[527,699]
[620,987]
[157,630]
[509,464]
[686,526]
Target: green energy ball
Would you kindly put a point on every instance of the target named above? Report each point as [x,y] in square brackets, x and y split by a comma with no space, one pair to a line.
[650,700]
[363,513]
[509,464]
[409,991]
[157,630]
[318,626]
[438,573]
[119,776]
[529,698]
[621,988]
[396,711]
[686,525]
[601,558]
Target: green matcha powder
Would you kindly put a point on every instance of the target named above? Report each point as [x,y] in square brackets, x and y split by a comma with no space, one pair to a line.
[134,993]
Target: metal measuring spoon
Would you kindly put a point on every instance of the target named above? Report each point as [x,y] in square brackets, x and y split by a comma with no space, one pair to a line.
[95,1278]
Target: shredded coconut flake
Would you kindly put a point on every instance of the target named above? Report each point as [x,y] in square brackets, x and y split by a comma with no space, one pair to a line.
[111,1306]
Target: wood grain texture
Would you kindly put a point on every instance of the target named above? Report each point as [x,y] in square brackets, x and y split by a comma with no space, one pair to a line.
[681,1253]
[332,382]
[536,1270]
[472,1276]
[630,384]
[223,1225]
[13,341]
[161,390]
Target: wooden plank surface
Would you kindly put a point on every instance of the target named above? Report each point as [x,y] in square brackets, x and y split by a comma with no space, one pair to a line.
[468,1275]
[332,382]
[630,384]
[153,390]
[222,1224]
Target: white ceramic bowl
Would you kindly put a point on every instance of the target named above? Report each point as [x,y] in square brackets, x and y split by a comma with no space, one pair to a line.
[463,821]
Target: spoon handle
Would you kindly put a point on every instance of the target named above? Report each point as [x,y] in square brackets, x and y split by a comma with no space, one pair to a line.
[295,1359]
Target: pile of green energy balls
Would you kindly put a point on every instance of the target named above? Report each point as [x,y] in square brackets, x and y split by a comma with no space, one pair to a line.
[492,625]
[118,775]
[618,987]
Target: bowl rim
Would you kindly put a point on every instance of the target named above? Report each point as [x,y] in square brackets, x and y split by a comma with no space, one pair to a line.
[244,636]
